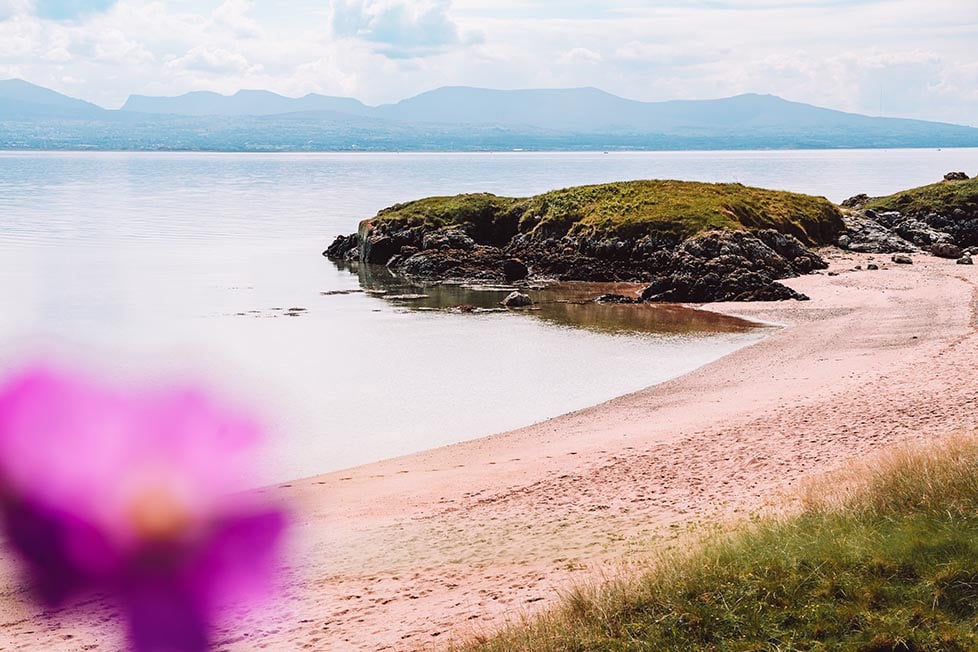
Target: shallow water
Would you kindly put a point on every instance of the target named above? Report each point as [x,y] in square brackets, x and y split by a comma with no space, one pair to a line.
[568,304]
[174,264]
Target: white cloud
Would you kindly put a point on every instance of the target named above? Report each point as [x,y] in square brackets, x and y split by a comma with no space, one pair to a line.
[58,55]
[399,28]
[233,16]
[19,39]
[838,54]
[213,60]
[580,56]
[11,8]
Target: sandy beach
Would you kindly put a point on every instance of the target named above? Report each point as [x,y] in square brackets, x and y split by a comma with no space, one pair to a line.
[415,552]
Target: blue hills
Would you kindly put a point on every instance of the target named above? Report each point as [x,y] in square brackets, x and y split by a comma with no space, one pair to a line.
[448,119]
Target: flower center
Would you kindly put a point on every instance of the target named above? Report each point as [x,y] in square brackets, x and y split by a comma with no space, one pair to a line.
[157,515]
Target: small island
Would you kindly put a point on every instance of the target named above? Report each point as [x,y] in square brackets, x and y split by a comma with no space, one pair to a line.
[688,241]
[684,241]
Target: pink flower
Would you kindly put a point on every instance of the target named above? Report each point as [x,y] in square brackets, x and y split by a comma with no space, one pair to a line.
[135,495]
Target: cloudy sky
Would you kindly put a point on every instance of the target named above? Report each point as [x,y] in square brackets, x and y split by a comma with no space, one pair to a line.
[921,56]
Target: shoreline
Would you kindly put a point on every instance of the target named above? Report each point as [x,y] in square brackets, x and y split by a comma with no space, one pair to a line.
[414,552]
[456,541]
[758,329]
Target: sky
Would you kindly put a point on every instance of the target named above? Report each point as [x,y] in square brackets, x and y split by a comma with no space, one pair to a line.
[901,58]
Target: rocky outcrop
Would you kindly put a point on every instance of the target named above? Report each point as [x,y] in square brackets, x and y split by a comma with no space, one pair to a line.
[869,231]
[731,266]
[940,218]
[614,232]
[856,201]
[714,266]
[517,300]
[343,247]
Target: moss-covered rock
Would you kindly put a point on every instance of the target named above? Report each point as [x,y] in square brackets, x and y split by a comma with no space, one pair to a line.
[628,210]
[944,198]
[936,217]
[662,232]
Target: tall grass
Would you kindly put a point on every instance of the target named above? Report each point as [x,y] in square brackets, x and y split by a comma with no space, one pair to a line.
[881,557]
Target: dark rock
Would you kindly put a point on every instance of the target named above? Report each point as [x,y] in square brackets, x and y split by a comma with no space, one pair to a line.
[946,250]
[888,219]
[956,176]
[844,241]
[729,266]
[616,299]
[873,267]
[772,292]
[712,266]
[867,235]
[791,248]
[480,262]
[378,249]
[902,259]
[965,260]
[919,233]
[514,270]
[343,246]
[447,239]
[857,201]
[960,227]
[802,264]
[517,300]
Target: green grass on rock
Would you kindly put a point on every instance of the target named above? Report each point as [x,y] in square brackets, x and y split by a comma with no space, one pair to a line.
[941,198]
[626,210]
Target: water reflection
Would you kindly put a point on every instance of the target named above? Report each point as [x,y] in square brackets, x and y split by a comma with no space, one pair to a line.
[565,304]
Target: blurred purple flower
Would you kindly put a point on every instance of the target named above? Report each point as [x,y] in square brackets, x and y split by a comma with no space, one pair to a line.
[135,495]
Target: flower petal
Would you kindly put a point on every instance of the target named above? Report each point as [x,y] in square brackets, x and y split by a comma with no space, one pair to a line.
[162,615]
[64,554]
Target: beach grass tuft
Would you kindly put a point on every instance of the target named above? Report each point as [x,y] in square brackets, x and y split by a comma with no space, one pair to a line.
[877,558]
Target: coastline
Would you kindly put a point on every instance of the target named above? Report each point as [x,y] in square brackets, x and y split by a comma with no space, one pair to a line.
[413,552]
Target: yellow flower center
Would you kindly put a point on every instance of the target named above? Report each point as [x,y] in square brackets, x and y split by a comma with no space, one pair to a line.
[158,515]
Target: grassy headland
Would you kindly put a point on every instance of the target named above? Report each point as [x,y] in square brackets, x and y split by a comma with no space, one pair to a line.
[625,210]
[884,559]
[941,198]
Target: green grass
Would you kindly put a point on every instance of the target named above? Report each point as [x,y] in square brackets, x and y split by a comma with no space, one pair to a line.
[888,562]
[628,210]
[941,198]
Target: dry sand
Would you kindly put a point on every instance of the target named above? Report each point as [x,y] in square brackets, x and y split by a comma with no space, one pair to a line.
[415,552]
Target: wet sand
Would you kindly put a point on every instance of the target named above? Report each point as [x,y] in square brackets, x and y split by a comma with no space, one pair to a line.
[415,552]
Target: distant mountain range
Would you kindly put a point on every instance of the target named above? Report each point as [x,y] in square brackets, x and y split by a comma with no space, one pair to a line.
[448,119]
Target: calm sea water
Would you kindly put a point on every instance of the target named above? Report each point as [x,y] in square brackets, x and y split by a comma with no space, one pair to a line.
[175,265]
